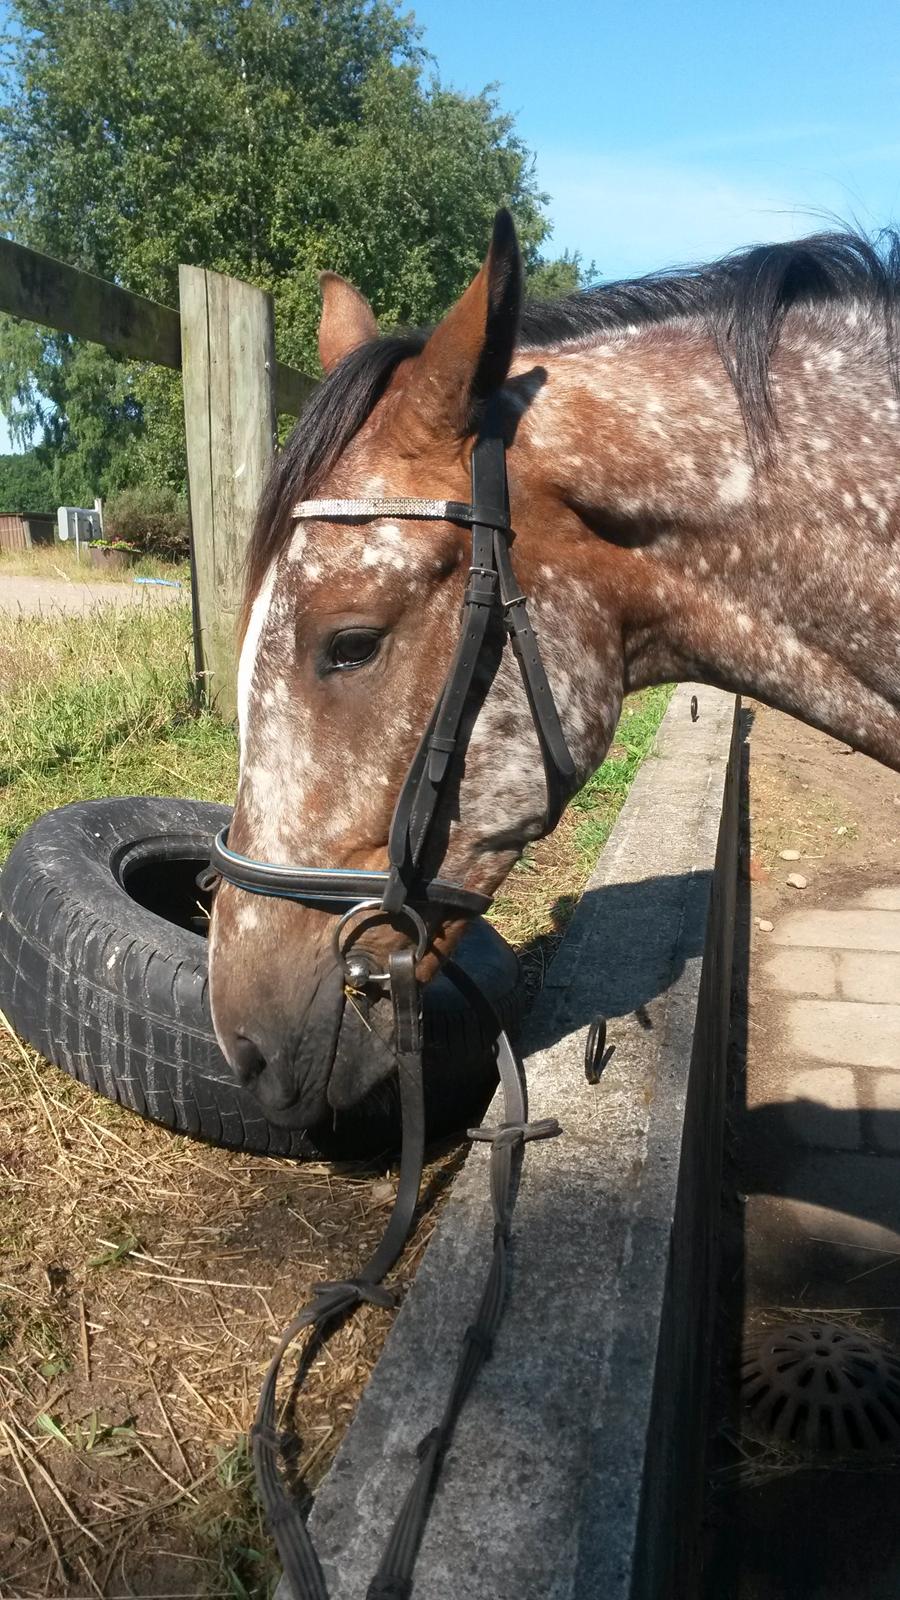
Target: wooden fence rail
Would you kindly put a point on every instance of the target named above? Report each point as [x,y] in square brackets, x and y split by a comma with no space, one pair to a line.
[223,340]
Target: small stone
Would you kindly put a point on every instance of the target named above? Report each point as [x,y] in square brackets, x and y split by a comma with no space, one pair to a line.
[382,1191]
[842,830]
[796,880]
[789,855]
[763,925]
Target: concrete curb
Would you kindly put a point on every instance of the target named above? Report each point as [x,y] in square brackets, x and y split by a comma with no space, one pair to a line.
[576,1467]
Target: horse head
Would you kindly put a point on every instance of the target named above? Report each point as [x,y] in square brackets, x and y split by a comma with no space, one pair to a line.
[350,628]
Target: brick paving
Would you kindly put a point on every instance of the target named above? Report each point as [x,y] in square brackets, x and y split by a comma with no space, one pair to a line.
[839,970]
[811,1223]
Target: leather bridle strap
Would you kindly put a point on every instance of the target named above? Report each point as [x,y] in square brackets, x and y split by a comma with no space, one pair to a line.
[491,583]
[559,767]
[423,785]
[328,887]
[364,509]
[489,480]
[333,1302]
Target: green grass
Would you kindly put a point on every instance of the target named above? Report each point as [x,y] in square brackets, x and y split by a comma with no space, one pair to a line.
[59,561]
[598,804]
[102,705]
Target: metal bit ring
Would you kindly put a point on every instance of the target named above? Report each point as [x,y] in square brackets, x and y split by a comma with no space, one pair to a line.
[413,917]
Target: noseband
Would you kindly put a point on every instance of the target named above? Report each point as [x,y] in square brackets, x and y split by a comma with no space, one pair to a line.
[403,893]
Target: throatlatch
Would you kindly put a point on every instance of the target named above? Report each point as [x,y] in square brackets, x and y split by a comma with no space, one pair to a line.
[404,894]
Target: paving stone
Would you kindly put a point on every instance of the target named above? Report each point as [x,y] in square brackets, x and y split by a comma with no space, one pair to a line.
[812,1098]
[883,1093]
[850,929]
[868,975]
[811,972]
[846,1032]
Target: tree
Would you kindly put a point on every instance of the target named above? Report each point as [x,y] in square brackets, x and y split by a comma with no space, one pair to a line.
[267,140]
[25,484]
[547,280]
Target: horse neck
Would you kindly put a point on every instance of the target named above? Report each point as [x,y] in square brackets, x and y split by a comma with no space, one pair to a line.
[776,577]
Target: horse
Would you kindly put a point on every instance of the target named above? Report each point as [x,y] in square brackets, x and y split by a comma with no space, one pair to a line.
[703,486]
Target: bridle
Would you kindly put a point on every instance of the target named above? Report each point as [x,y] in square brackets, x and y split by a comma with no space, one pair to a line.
[491,586]
[402,893]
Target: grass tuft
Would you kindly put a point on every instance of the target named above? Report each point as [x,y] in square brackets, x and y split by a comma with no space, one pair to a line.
[598,804]
[101,704]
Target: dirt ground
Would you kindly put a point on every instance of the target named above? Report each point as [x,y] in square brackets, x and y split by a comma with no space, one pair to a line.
[144,1279]
[46,596]
[809,792]
[810,1218]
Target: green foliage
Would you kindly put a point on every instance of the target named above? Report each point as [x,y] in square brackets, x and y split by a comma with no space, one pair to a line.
[267,141]
[151,521]
[77,402]
[598,804]
[25,484]
[548,280]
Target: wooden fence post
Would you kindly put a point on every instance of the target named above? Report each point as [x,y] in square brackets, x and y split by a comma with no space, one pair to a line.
[229,372]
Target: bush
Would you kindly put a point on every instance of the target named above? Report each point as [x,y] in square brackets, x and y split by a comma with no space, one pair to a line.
[152,521]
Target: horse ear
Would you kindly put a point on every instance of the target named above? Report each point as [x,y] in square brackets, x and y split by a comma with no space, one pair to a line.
[347,320]
[467,357]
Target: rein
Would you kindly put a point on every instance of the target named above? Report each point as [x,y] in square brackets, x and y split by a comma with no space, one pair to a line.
[403,893]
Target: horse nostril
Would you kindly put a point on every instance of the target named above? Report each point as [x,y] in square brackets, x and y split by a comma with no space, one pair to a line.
[267,1075]
[247,1059]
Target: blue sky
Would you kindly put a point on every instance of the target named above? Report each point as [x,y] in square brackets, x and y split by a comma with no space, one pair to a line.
[668,132]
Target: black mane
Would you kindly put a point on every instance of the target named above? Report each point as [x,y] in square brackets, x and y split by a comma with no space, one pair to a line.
[742,300]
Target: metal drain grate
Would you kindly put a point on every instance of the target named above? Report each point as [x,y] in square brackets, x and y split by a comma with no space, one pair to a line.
[822,1386]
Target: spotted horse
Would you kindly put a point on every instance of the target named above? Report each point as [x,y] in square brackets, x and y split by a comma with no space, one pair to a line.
[702,485]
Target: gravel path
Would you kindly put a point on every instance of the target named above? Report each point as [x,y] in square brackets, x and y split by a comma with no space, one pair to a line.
[32,596]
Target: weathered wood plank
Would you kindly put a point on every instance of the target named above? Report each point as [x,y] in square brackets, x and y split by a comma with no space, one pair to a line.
[41,289]
[228,366]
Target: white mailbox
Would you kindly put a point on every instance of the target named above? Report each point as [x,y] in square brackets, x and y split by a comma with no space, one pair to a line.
[76,522]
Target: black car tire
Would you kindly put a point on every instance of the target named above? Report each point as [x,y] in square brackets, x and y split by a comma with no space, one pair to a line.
[103,969]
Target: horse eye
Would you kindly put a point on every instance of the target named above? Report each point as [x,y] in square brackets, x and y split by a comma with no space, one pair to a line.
[353,647]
